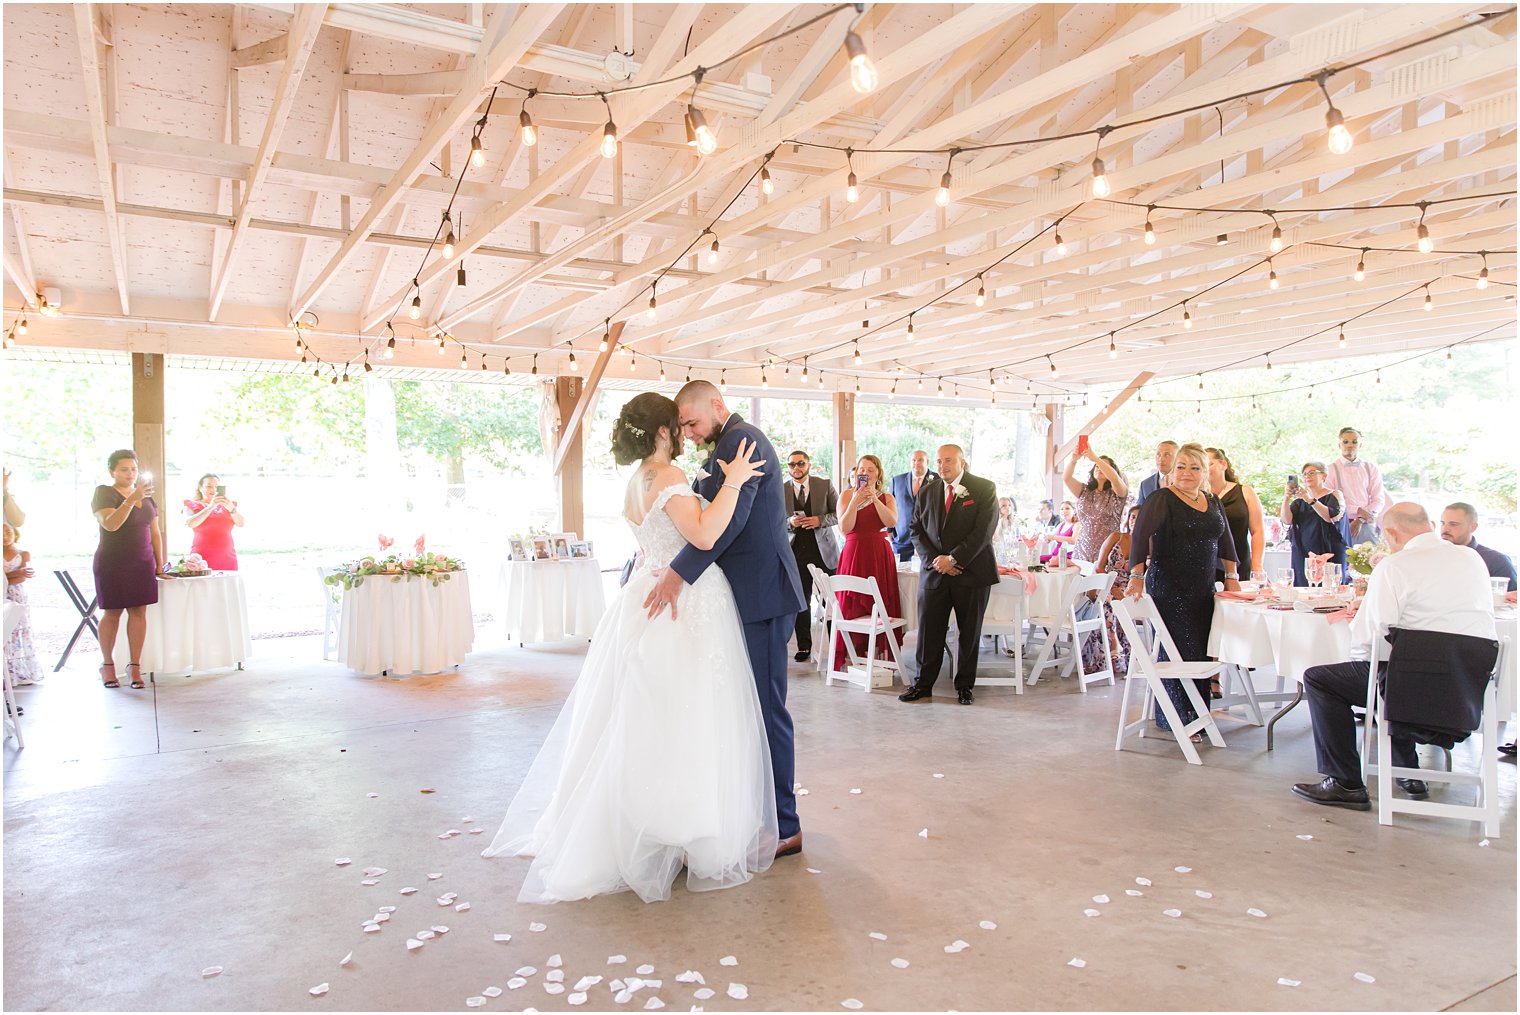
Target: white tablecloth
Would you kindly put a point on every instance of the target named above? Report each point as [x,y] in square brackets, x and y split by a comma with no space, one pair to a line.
[1052,593]
[1249,634]
[198,624]
[550,600]
[407,626]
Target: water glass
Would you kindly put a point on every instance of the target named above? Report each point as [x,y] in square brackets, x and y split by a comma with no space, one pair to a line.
[1500,587]
[1284,579]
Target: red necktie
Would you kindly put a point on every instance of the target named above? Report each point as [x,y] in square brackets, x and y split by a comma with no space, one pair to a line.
[949,497]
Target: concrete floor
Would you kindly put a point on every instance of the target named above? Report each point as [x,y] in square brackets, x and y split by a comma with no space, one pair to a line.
[150,834]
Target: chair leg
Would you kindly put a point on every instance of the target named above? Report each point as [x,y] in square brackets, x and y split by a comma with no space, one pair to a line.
[1385,770]
[1174,720]
[1205,720]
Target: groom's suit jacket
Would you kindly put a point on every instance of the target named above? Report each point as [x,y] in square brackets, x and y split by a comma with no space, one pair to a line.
[753,551]
[965,532]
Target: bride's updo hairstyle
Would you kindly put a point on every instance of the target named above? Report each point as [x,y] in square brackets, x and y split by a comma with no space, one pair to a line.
[638,427]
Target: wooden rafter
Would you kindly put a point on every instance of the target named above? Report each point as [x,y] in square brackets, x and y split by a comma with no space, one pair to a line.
[91,61]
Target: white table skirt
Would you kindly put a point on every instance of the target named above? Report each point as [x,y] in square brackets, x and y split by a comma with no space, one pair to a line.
[1290,642]
[407,626]
[550,600]
[198,624]
[1052,592]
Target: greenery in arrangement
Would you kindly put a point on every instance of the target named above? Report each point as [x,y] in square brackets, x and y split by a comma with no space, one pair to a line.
[435,567]
[1363,557]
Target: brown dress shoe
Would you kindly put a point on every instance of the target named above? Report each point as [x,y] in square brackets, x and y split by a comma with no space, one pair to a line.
[789,846]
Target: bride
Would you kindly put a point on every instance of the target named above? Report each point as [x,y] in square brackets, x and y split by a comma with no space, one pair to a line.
[659,758]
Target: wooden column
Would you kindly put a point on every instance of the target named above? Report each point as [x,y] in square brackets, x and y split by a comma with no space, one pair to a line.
[844,436]
[1055,436]
[571,459]
[148,425]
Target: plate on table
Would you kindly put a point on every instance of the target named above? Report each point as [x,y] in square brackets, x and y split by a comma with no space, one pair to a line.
[190,574]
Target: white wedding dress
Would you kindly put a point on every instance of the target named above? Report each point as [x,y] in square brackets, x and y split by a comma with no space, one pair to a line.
[659,757]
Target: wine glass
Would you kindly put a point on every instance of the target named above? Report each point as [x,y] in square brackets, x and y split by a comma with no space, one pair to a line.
[1284,578]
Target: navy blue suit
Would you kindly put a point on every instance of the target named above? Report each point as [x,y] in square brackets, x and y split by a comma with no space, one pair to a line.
[756,557]
[902,491]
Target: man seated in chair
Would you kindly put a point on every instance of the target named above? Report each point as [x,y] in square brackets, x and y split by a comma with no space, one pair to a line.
[1427,584]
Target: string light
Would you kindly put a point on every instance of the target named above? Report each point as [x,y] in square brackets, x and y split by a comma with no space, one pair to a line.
[1187,318]
[1361,267]
[1422,234]
[1269,361]
[1429,305]
[1200,382]
[712,252]
[1113,350]
[459,276]
[464,360]
[1150,230]
[892,395]
[482,363]
[765,383]
[852,185]
[820,378]
[662,372]
[21,328]
[863,76]
[606,336]
[766,186]
[448,237]
[633,360]
[981,292]
[910,327]
[574,367]
[1482,281]
[367,368]
[1276,243]
[804,369]
[1340,339]
[1311,394]
[942,198]
[723,381]
[920,382]
[1100,187]
[706,140]
[654,301]
[609,133]
[1339,138]
[416,308]
[1060,243]
[1272,276]
[525,122]
[1054,373]
[441,349]
[857,352]
[477,153]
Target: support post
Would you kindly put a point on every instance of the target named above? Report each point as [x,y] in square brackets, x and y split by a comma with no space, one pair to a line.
[148,426]
[844,436]
[1055,436]
[571,459]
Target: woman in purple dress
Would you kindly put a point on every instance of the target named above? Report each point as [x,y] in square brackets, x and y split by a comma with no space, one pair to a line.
[127,562]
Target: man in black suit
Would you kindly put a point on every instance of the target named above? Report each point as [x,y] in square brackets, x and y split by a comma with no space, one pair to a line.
[905,489]
[952,528]
[812,511]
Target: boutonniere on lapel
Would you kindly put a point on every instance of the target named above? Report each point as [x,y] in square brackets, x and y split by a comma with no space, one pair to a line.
[958,490]
[703,474]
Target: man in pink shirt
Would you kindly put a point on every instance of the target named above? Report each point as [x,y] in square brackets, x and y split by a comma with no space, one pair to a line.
[1360,486]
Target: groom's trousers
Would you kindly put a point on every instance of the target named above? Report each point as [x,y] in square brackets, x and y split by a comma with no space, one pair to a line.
[766,641]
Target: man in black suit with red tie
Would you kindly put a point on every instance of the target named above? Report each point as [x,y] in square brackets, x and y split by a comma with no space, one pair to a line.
[952,527]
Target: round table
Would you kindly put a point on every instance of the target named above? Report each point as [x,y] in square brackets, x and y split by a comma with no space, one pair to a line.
[400,626]
[198,624]
[551,600]
[1049,601]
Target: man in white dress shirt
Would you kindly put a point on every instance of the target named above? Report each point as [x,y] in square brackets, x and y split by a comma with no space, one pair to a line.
[1427,584]
[1166,457]
[1360,487]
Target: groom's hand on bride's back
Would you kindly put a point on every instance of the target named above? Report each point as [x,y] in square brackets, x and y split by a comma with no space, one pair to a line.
[742,467]
[667,588]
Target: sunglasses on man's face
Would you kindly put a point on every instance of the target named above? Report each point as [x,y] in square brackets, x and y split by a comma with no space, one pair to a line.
[796,465]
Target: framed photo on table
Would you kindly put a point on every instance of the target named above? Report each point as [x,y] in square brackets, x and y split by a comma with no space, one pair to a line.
[561,548]
[521,549]
[543,548]
[580,551]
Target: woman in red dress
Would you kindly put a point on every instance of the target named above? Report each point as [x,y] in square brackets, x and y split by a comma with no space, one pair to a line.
[213,518]
[867,514]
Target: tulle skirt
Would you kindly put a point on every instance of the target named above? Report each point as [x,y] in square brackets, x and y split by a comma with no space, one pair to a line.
[659,759]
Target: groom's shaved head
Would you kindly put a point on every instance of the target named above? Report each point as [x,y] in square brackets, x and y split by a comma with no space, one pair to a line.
[702,411]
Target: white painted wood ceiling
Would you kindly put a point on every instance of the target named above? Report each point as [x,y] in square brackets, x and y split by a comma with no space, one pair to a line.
[182,100]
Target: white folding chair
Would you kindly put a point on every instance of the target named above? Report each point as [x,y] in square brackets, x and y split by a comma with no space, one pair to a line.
[1143,655]
[862,668]
[1011,628]
[1066,625]
[13,613]
[1376,743]
[332,600]
[819,615]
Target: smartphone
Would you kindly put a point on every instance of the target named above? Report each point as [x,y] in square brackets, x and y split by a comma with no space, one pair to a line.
[1292,482]
[1082,444]
[862,481]
[221,491]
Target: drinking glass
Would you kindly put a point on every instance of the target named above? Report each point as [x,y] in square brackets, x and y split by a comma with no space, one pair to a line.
[1284,579]
[1259,578]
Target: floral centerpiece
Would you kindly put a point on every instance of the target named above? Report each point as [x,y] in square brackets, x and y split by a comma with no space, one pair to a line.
[422,563]
[1363,557]
[190,566]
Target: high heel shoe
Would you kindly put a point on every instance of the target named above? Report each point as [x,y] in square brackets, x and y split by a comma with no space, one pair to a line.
[137,681]
[109,681]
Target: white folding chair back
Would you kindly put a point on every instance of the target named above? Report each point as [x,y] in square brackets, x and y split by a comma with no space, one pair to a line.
[1101,584]
[1144,662]
[819,609]
[1376,743]
[333,602]
[862,668]
[1066,625]
[1011,628]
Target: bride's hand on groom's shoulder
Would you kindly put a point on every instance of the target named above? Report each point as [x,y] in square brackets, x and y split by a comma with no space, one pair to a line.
[742,467]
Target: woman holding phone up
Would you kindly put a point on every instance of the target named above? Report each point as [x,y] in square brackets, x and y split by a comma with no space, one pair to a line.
[1100,501]
[213,518]
[867,513]
[127,561]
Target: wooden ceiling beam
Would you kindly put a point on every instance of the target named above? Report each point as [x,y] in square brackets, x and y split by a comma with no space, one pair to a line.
[91,59]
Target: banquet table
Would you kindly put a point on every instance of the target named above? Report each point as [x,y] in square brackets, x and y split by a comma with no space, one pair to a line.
[550,600]
[1271,560]
[1051,596]
[198,624]
[1253,635]
[397,628]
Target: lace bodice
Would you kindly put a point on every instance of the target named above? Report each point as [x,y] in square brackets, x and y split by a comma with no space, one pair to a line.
[657,534]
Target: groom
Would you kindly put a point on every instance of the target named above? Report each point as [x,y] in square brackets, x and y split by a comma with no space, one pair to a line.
[754,555]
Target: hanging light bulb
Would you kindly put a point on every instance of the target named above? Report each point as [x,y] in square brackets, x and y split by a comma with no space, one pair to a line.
[1060,244]
[1150,230]
[1361,267]
[1113,350]
[940,387]
[606,336]
[1429,306]
[1100,187]
[723,381]
[459,277]
[857,352]
[1200,382]
[464,360]
[1311,394]
[712,252]
[1276,243]
[1340,339]
[852,189]
[482,363]
[804,370]
[525,122]
[1054,373]
[441,347]
[863,76]
[766,186]
[535,364]
[609,134]
[910,327]
[574,367]
[1340,137]
[448,235]
[416,309]
[942,197]
[633,360]
[654,303]
[477,153]
[21,328]
[706,140]
[892,395]
[981,292]
[1377,377]
[820,378]
[1187,318]
[765,382]
[299,343]
[1482,283]
[1269,361]
[1272,276]
[1424,242]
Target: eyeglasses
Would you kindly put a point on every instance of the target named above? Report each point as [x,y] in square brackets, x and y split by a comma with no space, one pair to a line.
[796,465]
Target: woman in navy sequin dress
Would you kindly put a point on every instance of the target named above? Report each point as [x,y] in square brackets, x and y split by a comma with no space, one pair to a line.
[1180,538]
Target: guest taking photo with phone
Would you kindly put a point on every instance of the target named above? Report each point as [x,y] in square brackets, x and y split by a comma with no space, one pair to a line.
[212,517]
[867,515]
